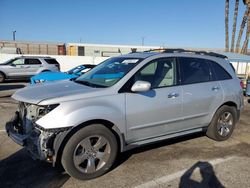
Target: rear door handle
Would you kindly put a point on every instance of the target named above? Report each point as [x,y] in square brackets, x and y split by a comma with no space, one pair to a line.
[173,95]
[215,88]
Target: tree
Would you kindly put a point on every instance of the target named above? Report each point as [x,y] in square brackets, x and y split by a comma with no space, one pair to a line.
[234,24]
[226,25]
[242,26]
[245,45]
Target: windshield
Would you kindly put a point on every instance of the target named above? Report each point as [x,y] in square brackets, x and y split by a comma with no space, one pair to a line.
[109,72]
[76,70]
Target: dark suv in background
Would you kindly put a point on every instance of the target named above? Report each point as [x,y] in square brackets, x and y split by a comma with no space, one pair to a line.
[24,67]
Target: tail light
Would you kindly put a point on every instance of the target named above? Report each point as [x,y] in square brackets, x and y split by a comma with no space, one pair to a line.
[242,84]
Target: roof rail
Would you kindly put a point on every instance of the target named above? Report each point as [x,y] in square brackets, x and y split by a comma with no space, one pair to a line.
[180,50]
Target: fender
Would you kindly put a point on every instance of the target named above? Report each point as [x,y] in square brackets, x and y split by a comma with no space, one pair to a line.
[62,138]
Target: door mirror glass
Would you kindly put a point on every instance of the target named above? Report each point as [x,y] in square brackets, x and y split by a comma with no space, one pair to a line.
[141,86]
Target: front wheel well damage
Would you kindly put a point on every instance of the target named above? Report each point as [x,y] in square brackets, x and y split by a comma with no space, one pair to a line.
[62,139]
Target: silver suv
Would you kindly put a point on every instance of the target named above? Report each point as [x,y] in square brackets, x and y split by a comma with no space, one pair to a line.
[125,102]
[26,66]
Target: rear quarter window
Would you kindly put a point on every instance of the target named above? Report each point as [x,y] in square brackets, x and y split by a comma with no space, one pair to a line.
[51,61]
[219,72]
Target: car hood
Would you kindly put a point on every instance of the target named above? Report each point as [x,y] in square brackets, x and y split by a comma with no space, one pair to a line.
[56,92]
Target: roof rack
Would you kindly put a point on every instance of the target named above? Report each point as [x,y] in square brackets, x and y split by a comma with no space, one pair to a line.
[180,50]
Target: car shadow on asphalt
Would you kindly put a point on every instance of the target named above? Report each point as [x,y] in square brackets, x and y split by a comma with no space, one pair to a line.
[123,157]
[19,170]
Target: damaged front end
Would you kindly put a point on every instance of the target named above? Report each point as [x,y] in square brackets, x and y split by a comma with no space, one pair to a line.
[25,132]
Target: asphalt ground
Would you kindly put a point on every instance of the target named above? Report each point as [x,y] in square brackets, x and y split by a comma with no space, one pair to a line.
[190,161]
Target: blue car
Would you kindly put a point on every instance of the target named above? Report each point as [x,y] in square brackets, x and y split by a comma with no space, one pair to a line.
[53,76]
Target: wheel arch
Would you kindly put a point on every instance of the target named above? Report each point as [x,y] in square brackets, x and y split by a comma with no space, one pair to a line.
[62,139]
[46,70]
[3,74]
[228,103]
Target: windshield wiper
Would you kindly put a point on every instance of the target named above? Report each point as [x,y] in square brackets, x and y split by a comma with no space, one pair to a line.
[89,83]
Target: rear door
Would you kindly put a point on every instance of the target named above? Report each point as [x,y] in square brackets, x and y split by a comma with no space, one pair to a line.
[201,93]
[32,66]
[158,111]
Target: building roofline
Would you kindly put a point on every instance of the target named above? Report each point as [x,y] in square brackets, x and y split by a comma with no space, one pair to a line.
[111,45]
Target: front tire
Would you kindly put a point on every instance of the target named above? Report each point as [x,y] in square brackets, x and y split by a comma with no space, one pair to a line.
[223,123]
[2,77]
[90,152]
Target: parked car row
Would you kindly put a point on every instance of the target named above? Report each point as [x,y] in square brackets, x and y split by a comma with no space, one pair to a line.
[125,102]
[24,67]
[55,76]
[38,69]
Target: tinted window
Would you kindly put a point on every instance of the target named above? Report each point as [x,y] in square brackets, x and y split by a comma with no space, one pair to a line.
[51,61]
[220,72]
[32,62]
[194,70]
[160,73]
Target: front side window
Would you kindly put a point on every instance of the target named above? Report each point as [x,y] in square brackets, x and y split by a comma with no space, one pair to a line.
[18,62]
[159,72]
[51,61]
[109,72]
[194,70]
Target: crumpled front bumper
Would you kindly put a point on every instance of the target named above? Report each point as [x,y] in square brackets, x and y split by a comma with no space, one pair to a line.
[14,130]
[35,141]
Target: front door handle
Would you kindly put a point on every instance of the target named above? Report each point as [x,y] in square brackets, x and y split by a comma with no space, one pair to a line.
[173,95]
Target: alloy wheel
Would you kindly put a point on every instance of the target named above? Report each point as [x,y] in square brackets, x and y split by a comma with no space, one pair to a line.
[91,154]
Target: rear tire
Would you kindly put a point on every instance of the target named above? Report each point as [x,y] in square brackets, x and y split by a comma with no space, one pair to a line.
[223,123]
[90,152]
[2,77]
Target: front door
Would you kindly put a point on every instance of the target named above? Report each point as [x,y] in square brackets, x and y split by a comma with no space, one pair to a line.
[17,68]
[158,111]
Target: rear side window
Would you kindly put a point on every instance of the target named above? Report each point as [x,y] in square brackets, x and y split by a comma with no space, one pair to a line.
[32,62]
[51,61]
[219,72]
[194,70]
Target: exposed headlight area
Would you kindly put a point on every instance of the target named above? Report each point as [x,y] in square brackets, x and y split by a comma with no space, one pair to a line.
[43,110]
[34,112]
[24,131]
[28,114]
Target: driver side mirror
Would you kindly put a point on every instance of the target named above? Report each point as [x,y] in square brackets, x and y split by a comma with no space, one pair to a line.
[141,86]
[13,65]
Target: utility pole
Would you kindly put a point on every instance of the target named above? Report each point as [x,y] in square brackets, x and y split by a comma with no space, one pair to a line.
[142,41]
[14,35]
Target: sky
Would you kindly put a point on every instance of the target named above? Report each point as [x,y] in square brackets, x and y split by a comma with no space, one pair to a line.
[193,23]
